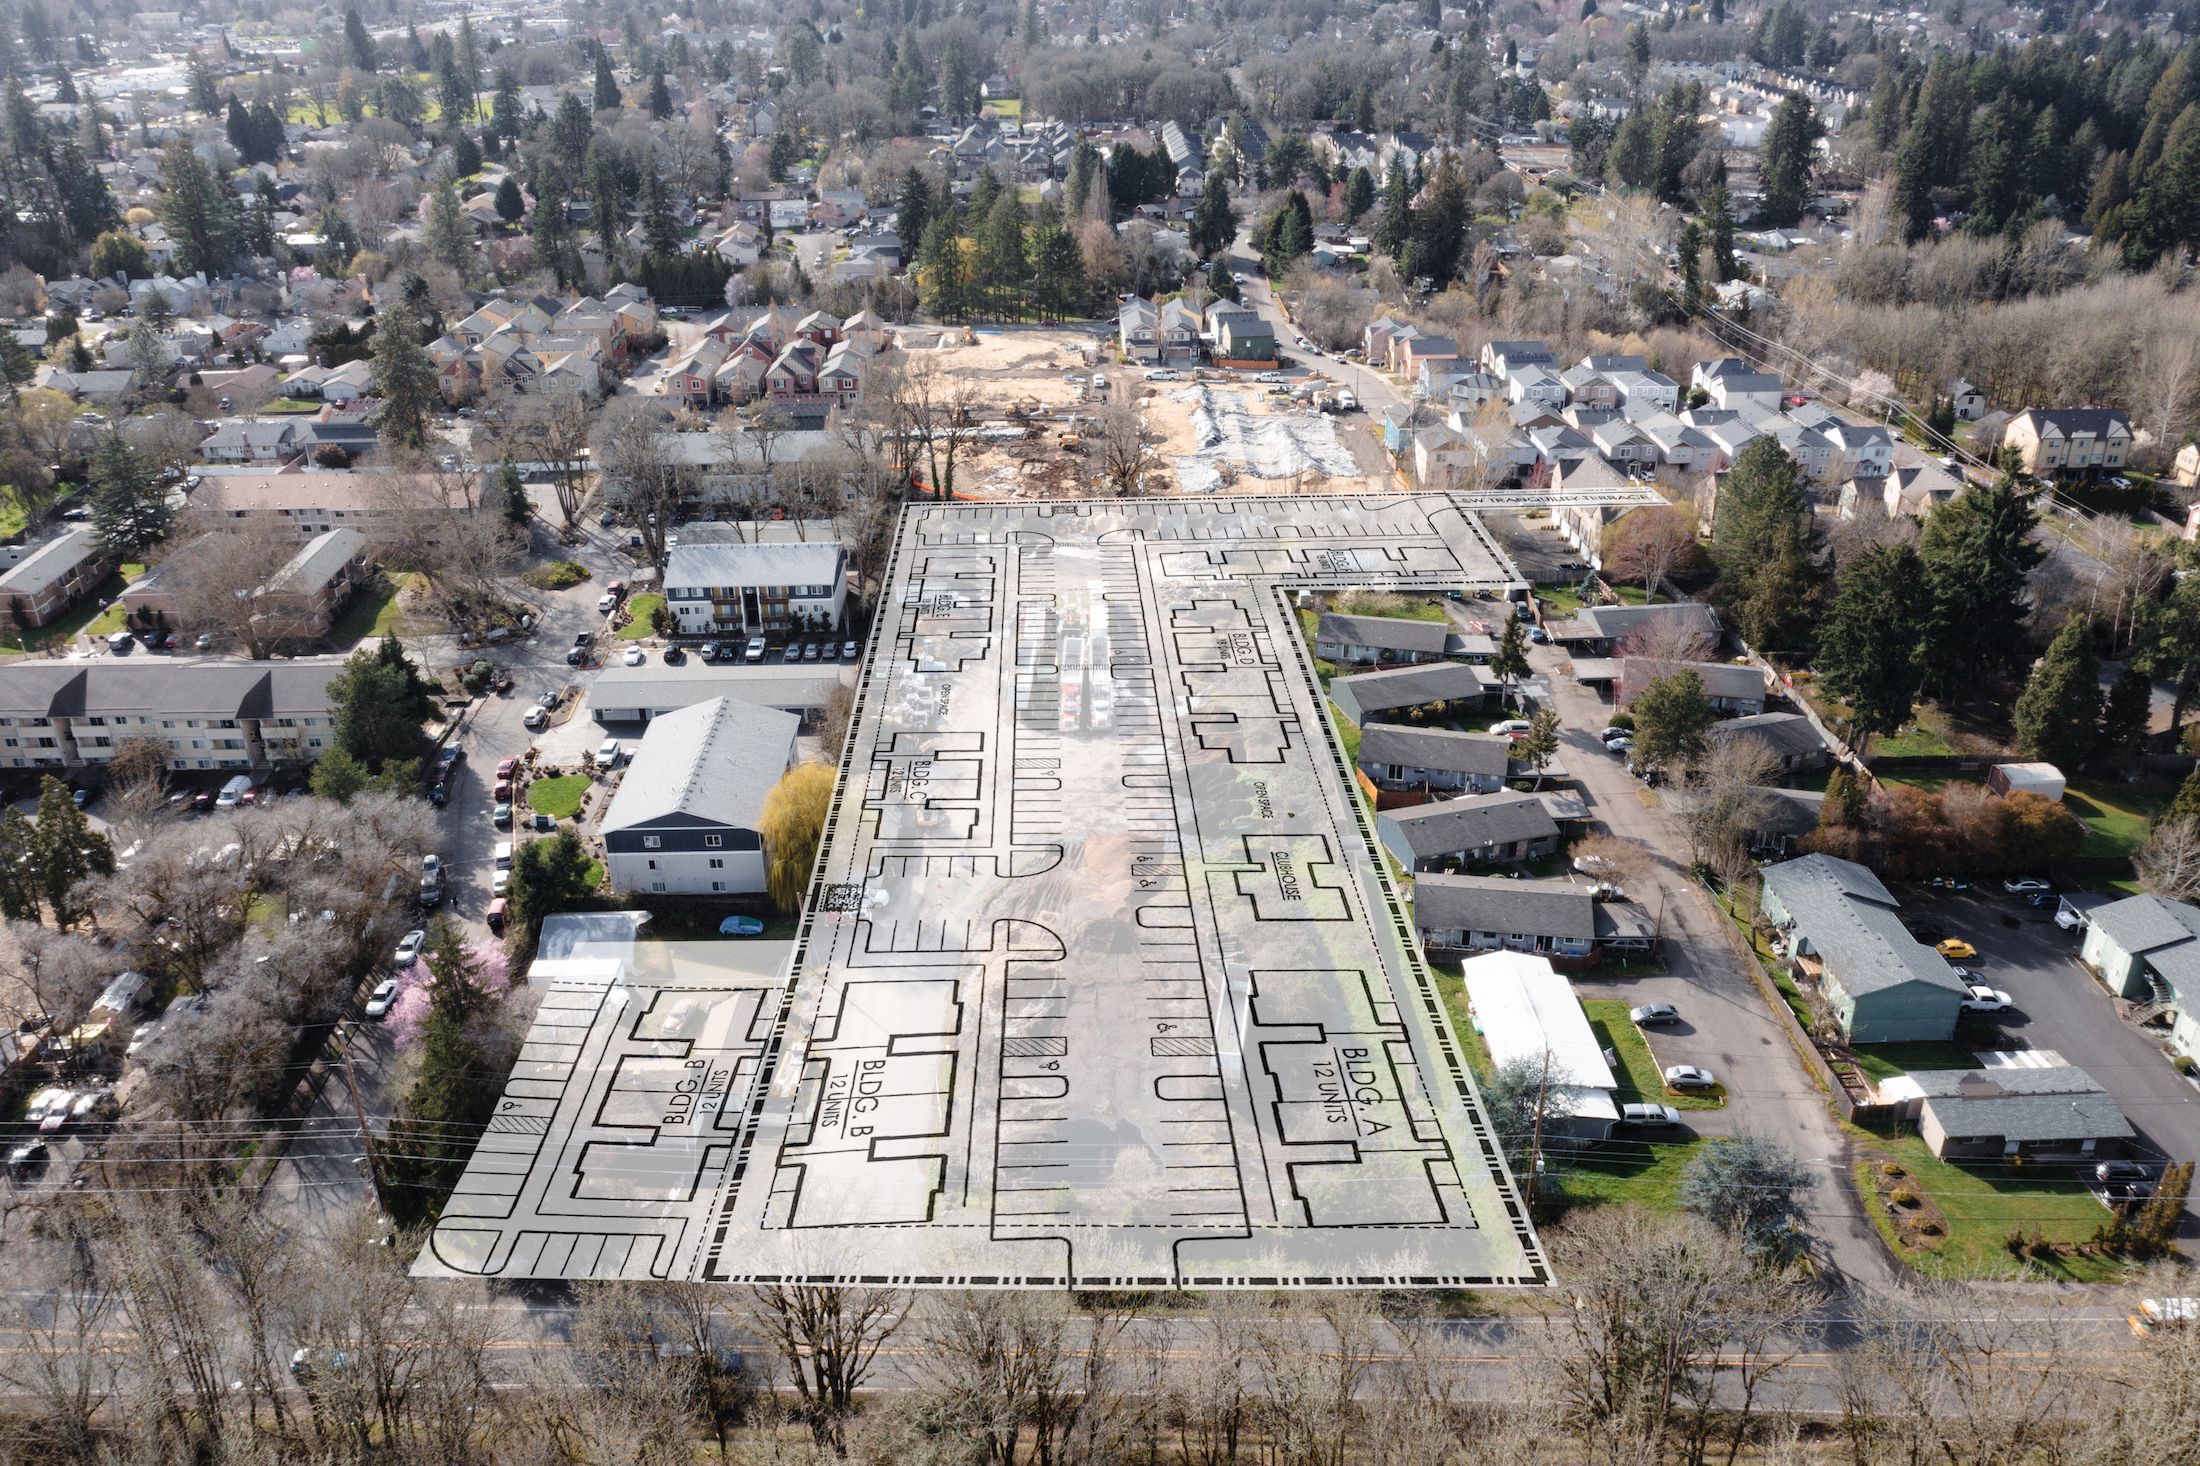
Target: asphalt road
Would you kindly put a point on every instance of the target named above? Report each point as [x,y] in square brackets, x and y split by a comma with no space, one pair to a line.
[1726,1026]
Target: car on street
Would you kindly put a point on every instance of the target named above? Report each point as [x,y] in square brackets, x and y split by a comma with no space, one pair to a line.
[740,926]
[1955,949]
[500,882]
[1649,1117]
[383,996]
[633,657]
[607,603]
[607,754]
[1648,1013]
[1689,1076]
[408,947]
[1983,999]
[501,815]
[533,720]
[2026,887]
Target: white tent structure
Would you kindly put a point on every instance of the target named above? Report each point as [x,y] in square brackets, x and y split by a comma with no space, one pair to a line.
[1524,1010]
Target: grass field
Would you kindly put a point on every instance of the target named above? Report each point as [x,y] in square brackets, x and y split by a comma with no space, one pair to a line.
[1348,733]
[642,618]
[63,629]
[1640,1080]
[1558,600]
[2117,816]
[12,519]
[291,405]
[1982,1202]
[374,613]
[1648,1175]
[1886,1061]
[560,798]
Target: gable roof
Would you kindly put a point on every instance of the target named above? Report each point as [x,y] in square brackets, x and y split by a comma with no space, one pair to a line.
[1393,632]
[1720,679]
[2071,422]
[1405,687]
[1849,918]
[1494,904]
[711,763]
[816,562]
[2061,1102]
[1470,823]
[1784,733]
[1435,748]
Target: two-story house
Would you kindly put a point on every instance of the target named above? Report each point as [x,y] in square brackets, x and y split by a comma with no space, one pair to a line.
[2057,442]
[751,589]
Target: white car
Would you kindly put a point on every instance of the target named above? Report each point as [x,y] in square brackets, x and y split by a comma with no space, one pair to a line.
[500,883]
[634,657]
[2026,887]
[535,718]
[431,867]
[607,754]
[408,949]
[1511,727]
[1654,1116]
[380,1000]
[2068,920]
[606,604]
[1984,999]
[1620,744]
[1689,1076]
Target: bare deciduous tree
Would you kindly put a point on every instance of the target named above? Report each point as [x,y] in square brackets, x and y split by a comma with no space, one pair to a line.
[827,1338]
[2169,862]
[639,469]
[550,429]
[1118,445]
[224,582]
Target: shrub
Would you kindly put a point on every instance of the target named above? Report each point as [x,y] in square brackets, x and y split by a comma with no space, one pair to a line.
[1903,1196]
[2014,1242]
[557,575]
[332,455]
[2185,1064]
[1890,1168]
[1928,1228]
[1623,720]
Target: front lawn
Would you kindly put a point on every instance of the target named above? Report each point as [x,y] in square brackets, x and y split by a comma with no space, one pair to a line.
[1888,1061]
[2117,816]
[291,405]
[559,797]
[1384,603]
[1641,1081]
[1982,1202]
[1647,1174]
[1558,600]
[641,621]
[63,629]
[373,612]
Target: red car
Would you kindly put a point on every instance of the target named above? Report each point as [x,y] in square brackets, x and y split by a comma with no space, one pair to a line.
[504,791]
[506,768]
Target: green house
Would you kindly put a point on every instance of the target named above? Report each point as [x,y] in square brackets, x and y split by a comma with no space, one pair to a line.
[1844,933]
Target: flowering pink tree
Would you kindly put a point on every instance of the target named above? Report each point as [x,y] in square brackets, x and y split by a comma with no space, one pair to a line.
[492,971]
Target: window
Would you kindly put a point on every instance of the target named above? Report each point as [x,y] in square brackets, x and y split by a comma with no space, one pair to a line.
[652,842]
[717,864]
[713,842]
[653,865]
[656,885]
[721,885]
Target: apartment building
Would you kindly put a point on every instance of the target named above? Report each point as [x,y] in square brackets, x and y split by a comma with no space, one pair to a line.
[210,714]
[746,589]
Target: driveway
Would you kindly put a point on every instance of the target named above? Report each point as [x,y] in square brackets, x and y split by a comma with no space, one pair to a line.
[1727,1026]
[2062,1008]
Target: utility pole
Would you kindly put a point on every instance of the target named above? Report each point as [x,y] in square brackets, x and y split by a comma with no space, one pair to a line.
[1535,1146]
[366,1136]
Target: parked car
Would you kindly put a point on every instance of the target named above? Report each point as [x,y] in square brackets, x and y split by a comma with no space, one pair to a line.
[2068,920]
[674,656]
[438,795]
[1689,1076]
[1652,1117]
[1615,731]
[382,998]
[754,651]
[1955,949]
[501,815]
[740,926]
[408,947]
[495,916]
[431,867]
[2026,887]
[606,603]
[500,882]
[1647,1013]
[507,767]
[1622,744]
[708,651]
[1511,728]
[607,754]
[534,720]
[793,653]
[849,651]
[810,650]
[27,1157]
[633,657]
[1984,999]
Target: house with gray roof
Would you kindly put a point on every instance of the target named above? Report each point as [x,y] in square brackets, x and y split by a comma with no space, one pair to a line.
[1434,760]
[2147,950]
[1379,640]
[1394,692]
[2059,1111]
[1599,631]
[49,579]
[1476,830]
[1844,933]
[1730,690]
[1794,745]
[1556,920]
[211,713]
[686,818]
[718,589]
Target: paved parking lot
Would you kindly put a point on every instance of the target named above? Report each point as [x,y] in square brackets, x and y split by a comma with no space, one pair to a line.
[2062,1007]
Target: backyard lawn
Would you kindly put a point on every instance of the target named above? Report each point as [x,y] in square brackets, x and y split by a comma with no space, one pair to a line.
[1640,1079]
[1982,1202]
[1348,734]
[374,612]
[1887,1061]
[560,798]
[2117,815]
[641,619]
[1558,599]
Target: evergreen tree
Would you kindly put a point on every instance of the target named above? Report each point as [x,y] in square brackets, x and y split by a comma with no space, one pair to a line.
[2000,177]
[1439,225]
[571,128]
[1761,546]
[1688,248]
[205,91]
[379,703]
[660,231]
[552,233]
[447,233]
[1289,234]
[2186,806]
[238,126]
[511,492]
[1719,228]
[198,212]
[1057,267]
[943,270]
[2124,716]
[1790,143]
[358,45]
[2058,714]
[1213,225]
[913,209]
[608,96]
[1870,652]
[130,508]
[465,155]
[660,95]
[405,379]
[1978,555]
[1001,244]
[1396,225]
[1672,717]
[507,112]
[511,204]
[1913,185]
[1359,194]
[119,252]
[66,850]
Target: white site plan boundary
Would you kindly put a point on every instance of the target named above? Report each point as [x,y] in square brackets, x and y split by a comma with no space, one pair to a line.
[1102,981]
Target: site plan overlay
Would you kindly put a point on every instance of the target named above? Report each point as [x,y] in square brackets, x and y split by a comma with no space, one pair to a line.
[1101,982]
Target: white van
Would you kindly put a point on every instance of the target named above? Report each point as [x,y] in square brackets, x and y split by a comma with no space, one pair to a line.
[504,855]
[232,792]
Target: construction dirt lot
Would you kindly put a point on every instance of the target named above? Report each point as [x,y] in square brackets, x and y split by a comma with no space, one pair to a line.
[1210,431]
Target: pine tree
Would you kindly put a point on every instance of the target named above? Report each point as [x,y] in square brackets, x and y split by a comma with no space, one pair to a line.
[66,850]
[2058,714]
[1978,555]
[1359,194]
[943,270]
[1395,227]
[608,96]
[1688,247]
[1913,185]
[197,211]
[1213,225]
[506,110]
[358,45]
[404,377]
[205,91]
[1439,225]
[512,493]
[660,95]
[1719,227]
[1001,245]
[511,204]
[660,231]
[1790,143]
[1672,716]
[1761,546]
[2124,715]
[130,508]
[1869,646]
[913,209]
[447,233]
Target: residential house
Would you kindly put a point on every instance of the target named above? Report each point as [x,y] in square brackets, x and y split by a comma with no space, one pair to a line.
[1621,442]
[1367,696]
[94,388]
[1970,402]
[1138,329]
[621,695]
[1728,433]
[1863,450]
[688,814]
[1794,746]
[1845,935]
[1503,358]
[1558,921]
[751,589]
[220,714]
[2083,441]
[1910,491]
[1680,447]
[304,596]
[1365,641]
[740,246]
[1731,691]
[1535,384]
[1399,756]
[50,579]
[2056,1111]
[1241,337]
[2147,950]
[1641,391]
[1476,830]
[1443,459]
[313,501]
[1599,631]
[1528,1014]
[1418,351]
[1731,383]
[2187,468]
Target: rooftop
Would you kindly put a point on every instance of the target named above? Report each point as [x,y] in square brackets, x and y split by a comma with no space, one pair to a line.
[1849,918]
[712,762]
